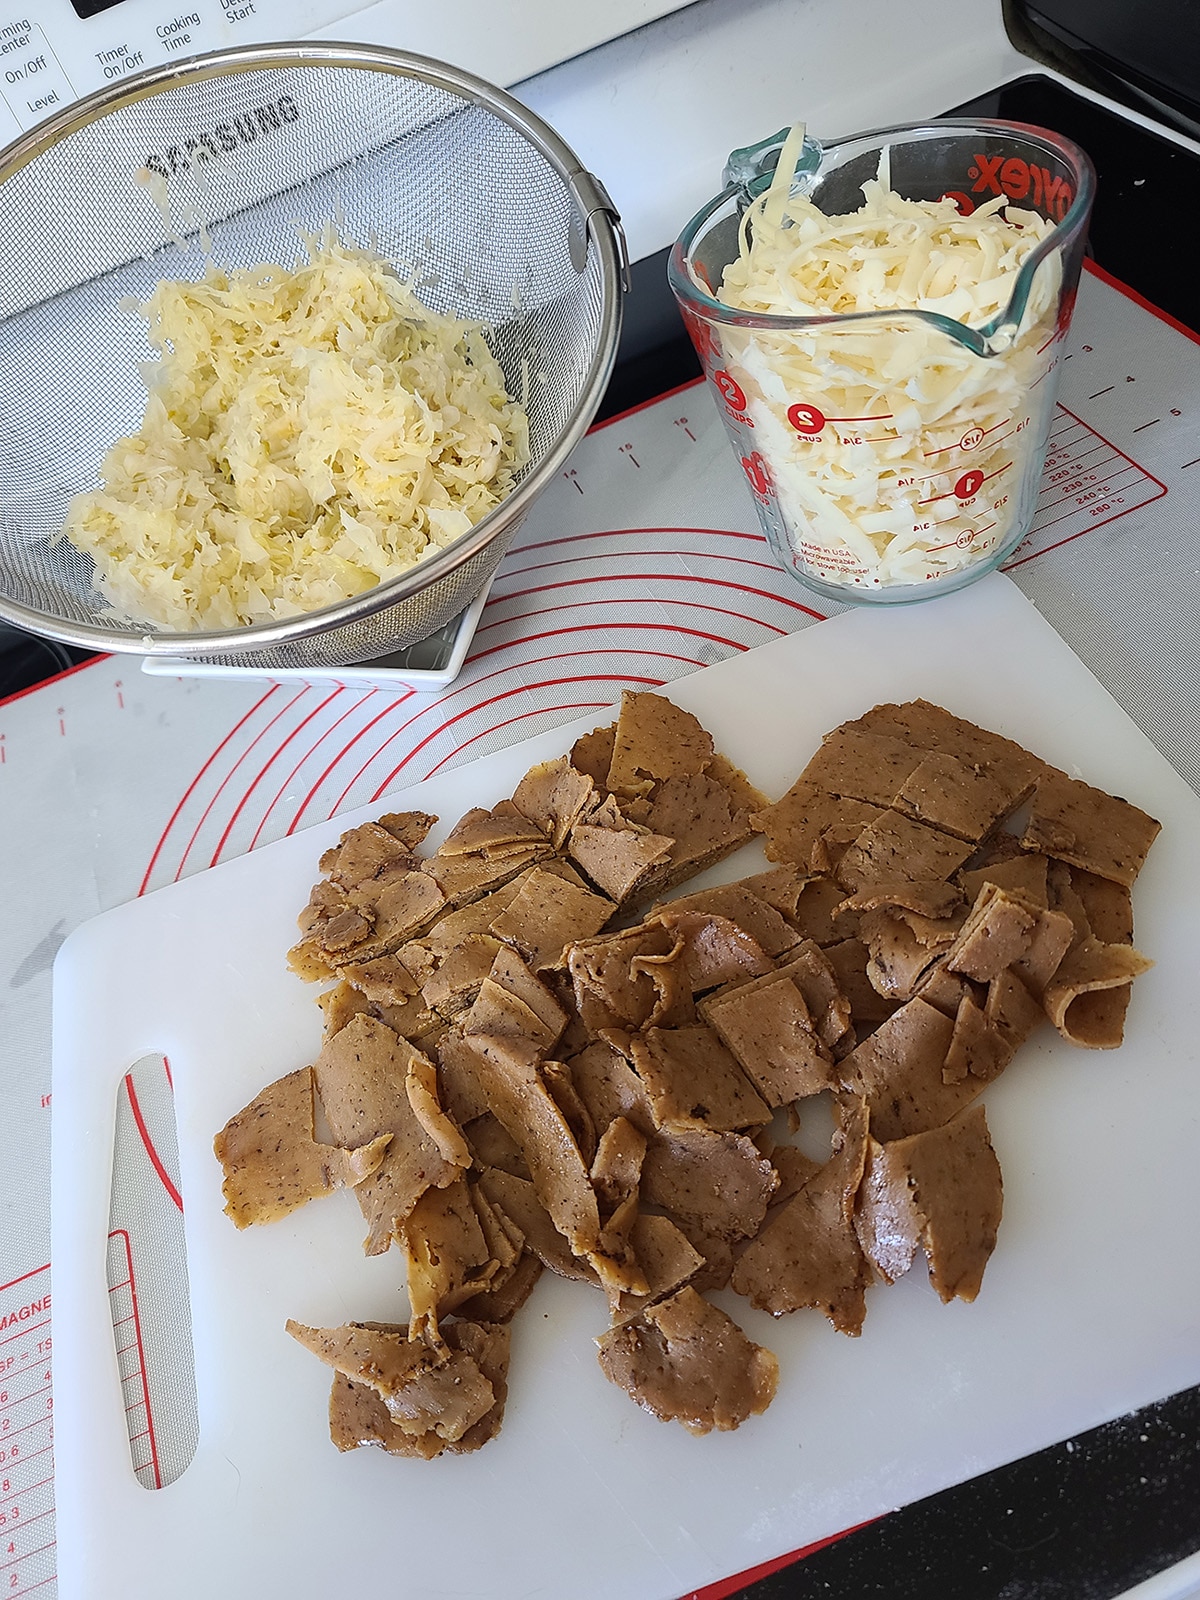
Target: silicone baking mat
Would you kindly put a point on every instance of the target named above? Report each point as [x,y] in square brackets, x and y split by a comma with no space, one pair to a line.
[642,563]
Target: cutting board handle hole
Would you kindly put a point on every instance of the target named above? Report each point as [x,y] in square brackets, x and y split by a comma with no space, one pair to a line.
[148,1278]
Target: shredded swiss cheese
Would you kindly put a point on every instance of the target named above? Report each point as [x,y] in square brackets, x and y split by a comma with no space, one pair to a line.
[898,454]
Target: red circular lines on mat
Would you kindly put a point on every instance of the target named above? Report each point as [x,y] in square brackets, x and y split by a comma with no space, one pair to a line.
[626,533]
[191,788]
[673,577]
[609,627]
[261,774]
[507,694]
[445,722]
[233,769]
[392,705]
[316,745]
[577,603]
[575,709]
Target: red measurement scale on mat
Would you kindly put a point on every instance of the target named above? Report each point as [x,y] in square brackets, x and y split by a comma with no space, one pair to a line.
[26,1436]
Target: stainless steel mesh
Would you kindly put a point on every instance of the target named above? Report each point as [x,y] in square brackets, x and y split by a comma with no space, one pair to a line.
[459,187]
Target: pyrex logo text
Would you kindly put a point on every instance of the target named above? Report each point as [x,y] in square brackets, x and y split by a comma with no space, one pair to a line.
[1021,180]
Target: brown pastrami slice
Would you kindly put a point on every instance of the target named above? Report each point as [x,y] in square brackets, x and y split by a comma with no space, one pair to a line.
[272,1162]
[693,1081]
[941,1190]
[808,1254]
[794,825]
[899,1071]
[1088,995]
[737,903]
[929,727]
[768,1028]
[958,797]
[655,739]
[703,821]
[358,1416]
[447,1256]
[1088,828]
[713,1184]
[894,846]
[617,855]
[862,766]
[555,795]
[425,1389]
[684,1360]
[361,1078]
[546,915]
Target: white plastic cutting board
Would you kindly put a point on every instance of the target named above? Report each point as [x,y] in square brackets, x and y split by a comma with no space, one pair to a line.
[1090,1306]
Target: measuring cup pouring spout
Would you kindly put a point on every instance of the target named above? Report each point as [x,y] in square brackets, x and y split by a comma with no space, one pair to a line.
[828,409]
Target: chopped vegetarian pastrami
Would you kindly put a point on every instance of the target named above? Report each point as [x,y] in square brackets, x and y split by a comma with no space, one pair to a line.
[518,1075]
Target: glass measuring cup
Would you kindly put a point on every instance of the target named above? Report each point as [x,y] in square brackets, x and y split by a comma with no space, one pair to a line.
[893,454]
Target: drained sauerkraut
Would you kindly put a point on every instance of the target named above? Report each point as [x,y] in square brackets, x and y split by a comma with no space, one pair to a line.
[309,432]
[898,455]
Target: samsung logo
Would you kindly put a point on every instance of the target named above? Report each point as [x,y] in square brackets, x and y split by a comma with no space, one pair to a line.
[225,138]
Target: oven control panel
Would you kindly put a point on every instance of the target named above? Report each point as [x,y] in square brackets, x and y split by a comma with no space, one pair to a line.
[53,52]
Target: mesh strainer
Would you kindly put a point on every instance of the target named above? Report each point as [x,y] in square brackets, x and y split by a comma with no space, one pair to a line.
[454,182]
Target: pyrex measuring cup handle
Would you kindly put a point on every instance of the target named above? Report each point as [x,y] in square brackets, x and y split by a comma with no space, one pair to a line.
[751,168]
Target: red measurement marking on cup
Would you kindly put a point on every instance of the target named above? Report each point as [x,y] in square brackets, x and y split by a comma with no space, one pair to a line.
[1041,375]
[758,473]
[730,390]
[806,419]
[969,484]
[703,338]
[971,440]
[1060,332]
[809,420]
[1016,178]
[966,537]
